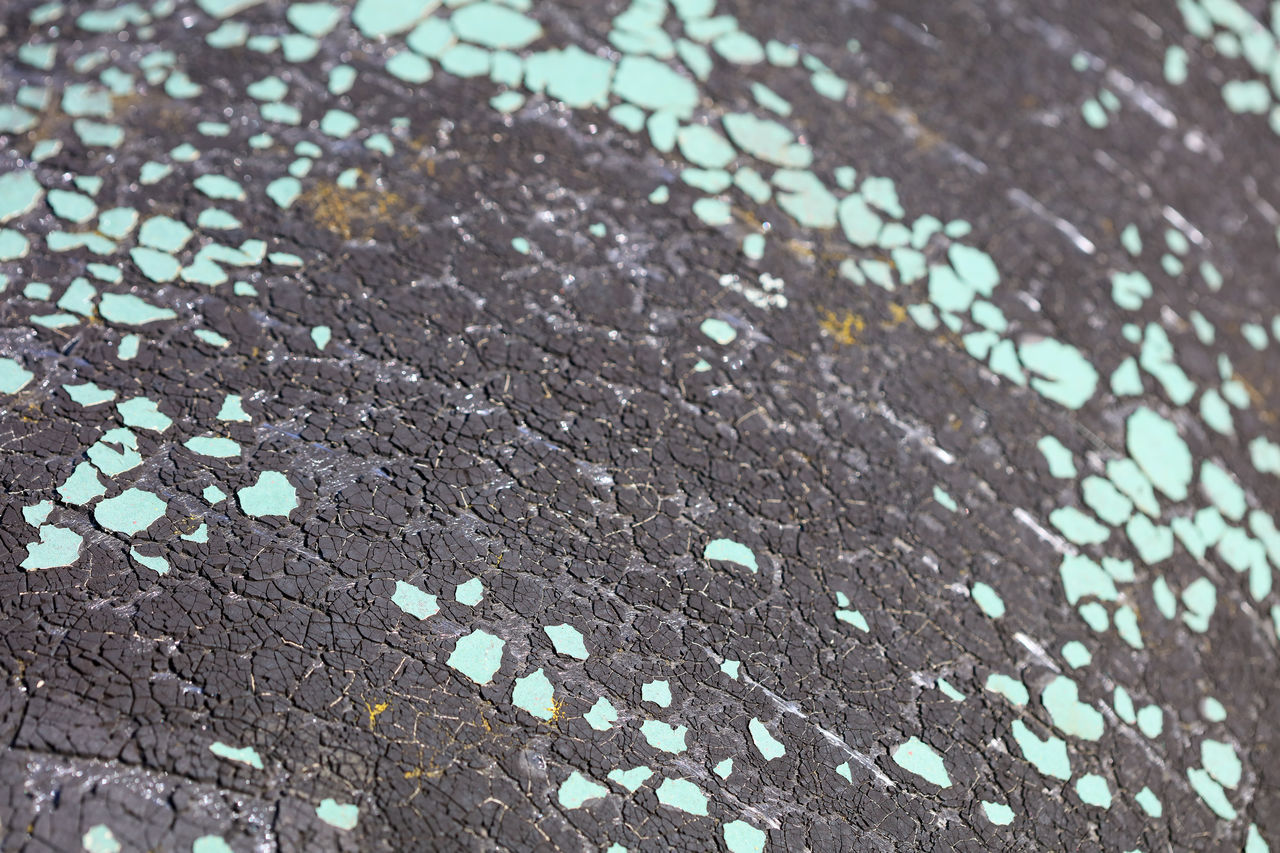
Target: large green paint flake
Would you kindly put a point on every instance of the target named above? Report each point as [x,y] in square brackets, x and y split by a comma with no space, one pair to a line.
[535,694]
[916,756]
[684,795]
[245,754]
[765,742]
[664,736]
[742,837]
[567,641]
[339,815]
[129,512]
[477,656]
[57,547]
[730,551]
[578,789]
[1160,452]
[414,601]
[1048,756]
[272,494]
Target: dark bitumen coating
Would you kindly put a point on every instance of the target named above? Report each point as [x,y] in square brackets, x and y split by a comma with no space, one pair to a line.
[479,347]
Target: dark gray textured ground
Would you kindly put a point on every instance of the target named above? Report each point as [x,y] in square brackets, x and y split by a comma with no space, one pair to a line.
[536,421]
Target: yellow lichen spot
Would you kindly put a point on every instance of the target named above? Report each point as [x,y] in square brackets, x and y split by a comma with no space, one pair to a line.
[414,773]
[897,315]
[557,710]
[374,711]
[844,327]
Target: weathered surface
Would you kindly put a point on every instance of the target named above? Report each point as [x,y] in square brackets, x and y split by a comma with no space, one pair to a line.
[399,458]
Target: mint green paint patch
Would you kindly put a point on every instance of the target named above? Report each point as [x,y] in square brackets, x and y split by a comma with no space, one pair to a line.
[494,26]
[212,338]
[828,85]
[916,756]
[1127,627]
[664,736]
[314,19]
[45,148]
[781,55]
[805,198]
[98,135]
[854,618]
[947,291]
[1069,715]
[112,462]
[507,102]
[13,377]
[1215,412]
[940,495]
[245,755]
[658,692]
[1151,721]
[845,771]
[1153,443]
[1254,842]
[753,248]
[54,321]
[38,55]
[128,309]
[37,290]
[1047,756]
[57,547]
[129,512]
[99,839]
[83,486]
[724,334]
[285,259]
[770,100]
[663,128]
[153,172]
[1149,803]
[71,206]
[567,641]
[272,494]
[730,668]
[180,87]
[410,67]
[118,222]
[1010,688]
[14,119]
[713,211]
[284,191]
[163,233]
[1222,491]
[20,192]
[218,448]
[105,272]
[602,715]
[1157,359]
[339,815]
[739,47]
[143,413]
[414,601]
[219,188]
[1078,527]
[1213,710]
[949,691]
[683,795]
[650,84]
[1211,792]
[1130,289]
[578,789]
[200,535]
[730,551]
[724,768]
[339,124]
[997,813]
[469,593]
[128,347]
[535,694]
[86,99]
[233,409]
[1069,378]
[750,182]
[742,837]
[630,779]
[707,180]
[78,297]
[572,75]
[478,656]
[1082,577]
[1092,790]
[465,60]
[1246,96]
[155,265]
[1221,761]
[521,245]
[704,147]
[269,88]
[1128,477]
[1106,500]
[988,600]
[629,116]
[210,844]
[766,743]
[12,245]
[376,18]
[1076,654]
